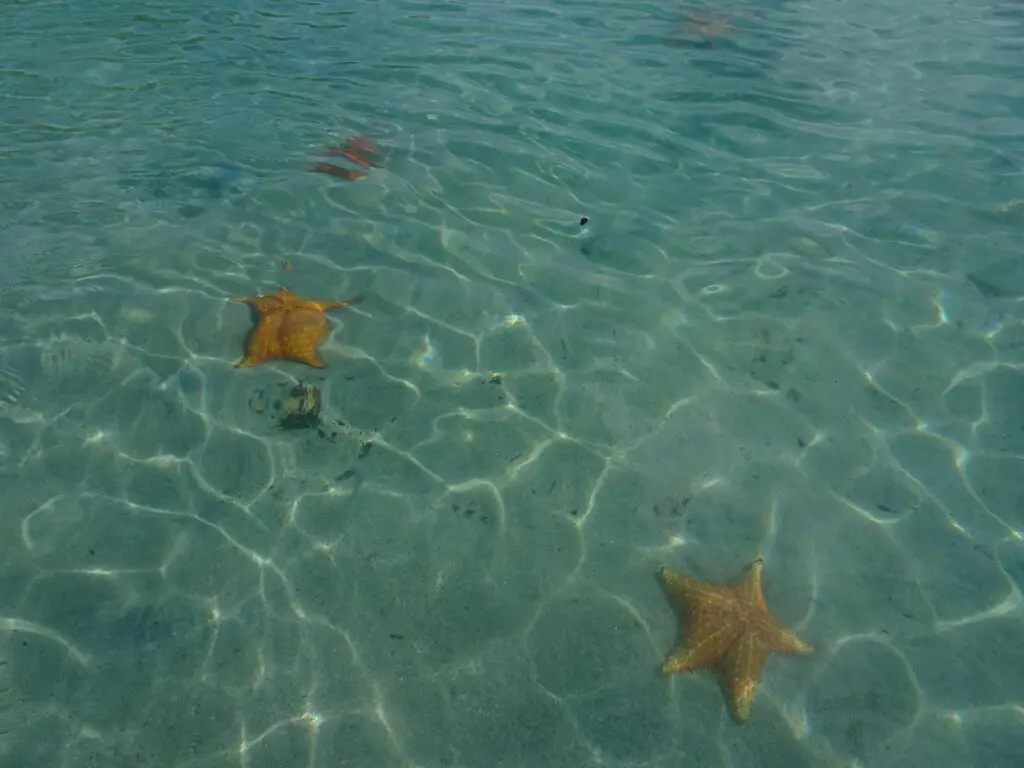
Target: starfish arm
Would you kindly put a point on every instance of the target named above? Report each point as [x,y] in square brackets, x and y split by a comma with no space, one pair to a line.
[325,305]
[260,349]
[362,143]
[779,640]
[356,157]
[301,332]
[262,304]
[313,360]
[674,583]
[336,170]
[685,591]
[688,593]
[707,639]
[741,669]
[711,625]
[751,589]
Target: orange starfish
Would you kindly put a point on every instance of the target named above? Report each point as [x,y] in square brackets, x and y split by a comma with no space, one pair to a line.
[731,630]
[707,26]
[288,327]
[336,170]
[356,149]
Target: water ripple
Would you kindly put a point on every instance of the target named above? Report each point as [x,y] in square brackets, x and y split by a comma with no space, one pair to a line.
[791,328]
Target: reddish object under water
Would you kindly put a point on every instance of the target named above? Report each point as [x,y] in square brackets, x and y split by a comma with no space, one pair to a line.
[336,170]
[352,155]
[363,144]
[355,149]
[702,28]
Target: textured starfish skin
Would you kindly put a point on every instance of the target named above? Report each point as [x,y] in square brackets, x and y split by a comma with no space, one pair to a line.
[730,630]
[288,327]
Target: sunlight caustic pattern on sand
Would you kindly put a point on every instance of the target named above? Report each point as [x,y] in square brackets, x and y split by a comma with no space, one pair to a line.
[791,330]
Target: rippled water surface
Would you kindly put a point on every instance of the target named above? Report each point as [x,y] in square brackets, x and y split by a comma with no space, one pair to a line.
[792,329]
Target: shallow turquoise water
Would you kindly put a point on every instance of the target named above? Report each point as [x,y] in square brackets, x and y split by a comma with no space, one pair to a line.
[791,329]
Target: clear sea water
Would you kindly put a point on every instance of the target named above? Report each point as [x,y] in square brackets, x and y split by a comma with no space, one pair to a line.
[793,328]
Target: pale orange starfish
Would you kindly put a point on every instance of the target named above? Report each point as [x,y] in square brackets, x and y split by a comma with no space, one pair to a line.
[356,149]
[729,629]
[707,26]
[287,327]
